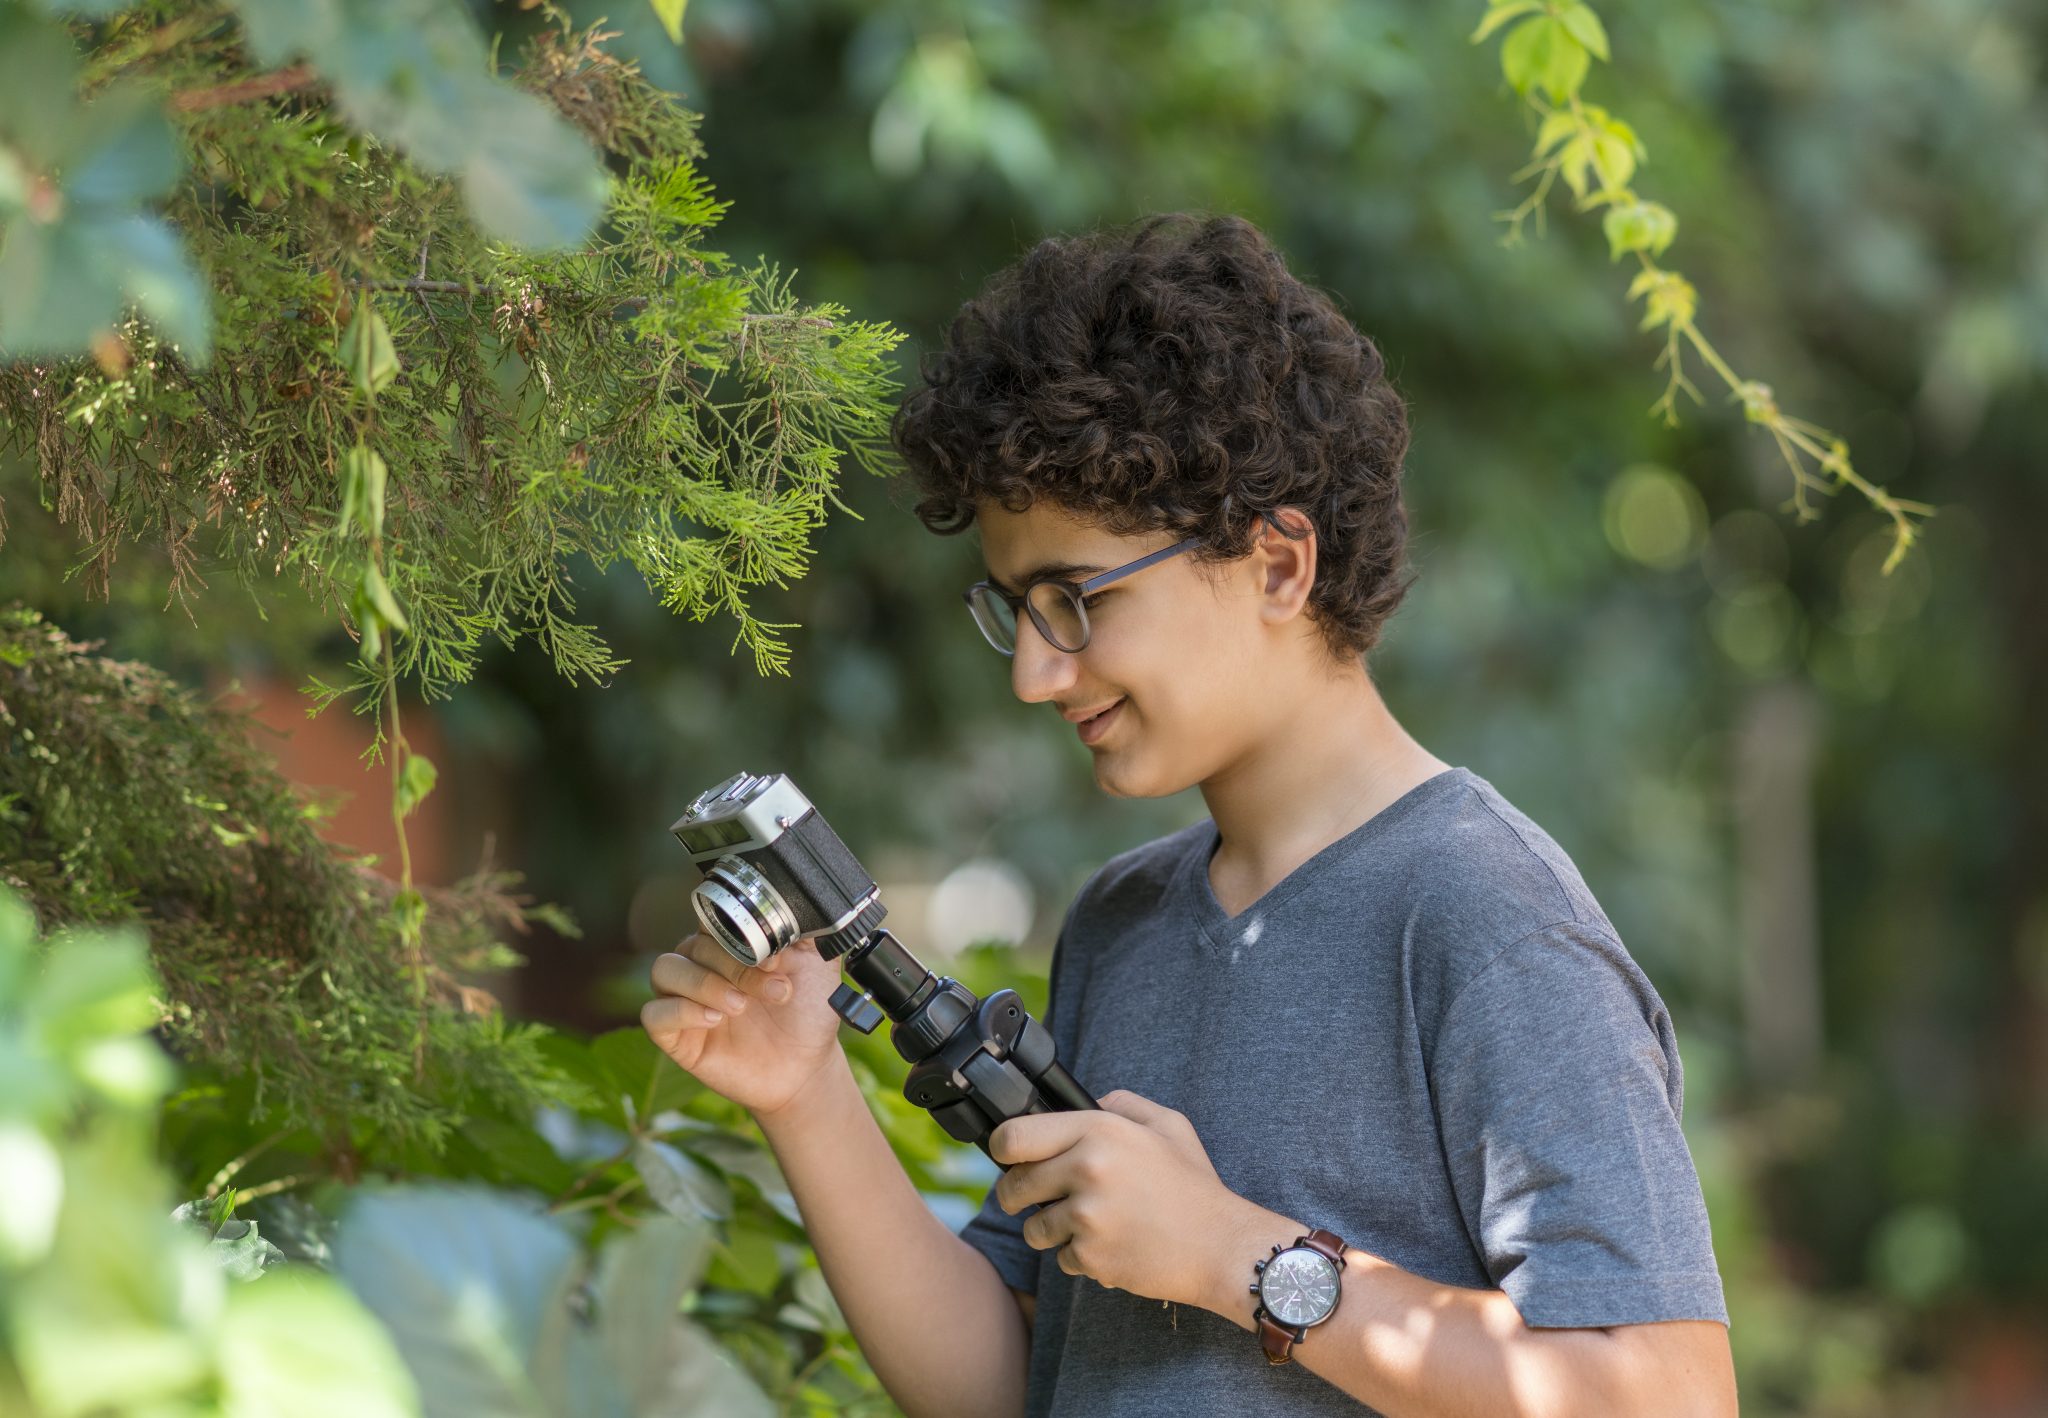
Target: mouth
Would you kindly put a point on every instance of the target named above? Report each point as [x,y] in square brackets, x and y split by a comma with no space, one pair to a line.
[1095,726]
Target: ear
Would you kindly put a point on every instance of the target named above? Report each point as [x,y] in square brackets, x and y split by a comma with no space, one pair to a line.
[1287,565]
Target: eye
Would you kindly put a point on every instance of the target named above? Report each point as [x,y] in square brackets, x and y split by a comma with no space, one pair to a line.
[1091,602]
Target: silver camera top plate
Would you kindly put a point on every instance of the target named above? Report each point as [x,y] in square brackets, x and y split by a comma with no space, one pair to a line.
[743,812]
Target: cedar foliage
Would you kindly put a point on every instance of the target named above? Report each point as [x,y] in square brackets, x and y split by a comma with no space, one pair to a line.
[636,396]
[123,797]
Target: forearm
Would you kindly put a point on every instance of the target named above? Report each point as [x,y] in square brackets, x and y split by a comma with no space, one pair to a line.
[1413,1348]
[934,1319]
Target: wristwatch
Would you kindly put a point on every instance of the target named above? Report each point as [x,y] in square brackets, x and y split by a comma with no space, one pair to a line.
[1297,1288]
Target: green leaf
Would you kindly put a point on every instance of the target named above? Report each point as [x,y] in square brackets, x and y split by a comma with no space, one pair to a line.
[148,265]
[54,296]
[1586,28]
[1671,298]
[17,926]
[1500,14]
[237,1246]
[38,85]
[1556,127]
[380,599]
[1543,53]
[640,1071]
[125,151]
[748,1260]
[1638,226]
[299,1343]
[366,351]
[31,1192]
[411,909]
[644,1358]
[530,178]
[464,1280]
[679,1184]
[641,1280]
[281,30]
[687,1371]
[362,490]
[93,987]
[740,1157]
[671,13]
[16,181]
[131,1072]
[415,781]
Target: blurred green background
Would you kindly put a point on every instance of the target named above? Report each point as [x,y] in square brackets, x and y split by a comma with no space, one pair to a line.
[1813,799]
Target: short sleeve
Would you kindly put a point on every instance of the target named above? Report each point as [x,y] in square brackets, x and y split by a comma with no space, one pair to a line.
[1559,1091]
[992,1231]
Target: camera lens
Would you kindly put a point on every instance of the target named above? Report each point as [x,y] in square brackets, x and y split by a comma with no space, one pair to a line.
[743,912]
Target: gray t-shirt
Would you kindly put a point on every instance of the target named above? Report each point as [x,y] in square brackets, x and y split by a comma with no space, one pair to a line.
[1426,1038]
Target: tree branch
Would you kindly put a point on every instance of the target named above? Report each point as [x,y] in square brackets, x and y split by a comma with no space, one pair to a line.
[281,81]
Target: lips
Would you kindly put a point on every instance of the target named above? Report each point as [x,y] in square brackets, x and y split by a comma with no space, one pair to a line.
[1092,729]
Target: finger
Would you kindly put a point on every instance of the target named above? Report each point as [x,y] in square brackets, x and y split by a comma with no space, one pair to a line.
[710,954]
[668,1019]
[1136,1107]
[679,975]
[702,950]
[1037,1136]
[1036,1184]
[1047,1228]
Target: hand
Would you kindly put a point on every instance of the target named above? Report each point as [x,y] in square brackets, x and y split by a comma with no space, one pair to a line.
[760,1052]
[1128,1194]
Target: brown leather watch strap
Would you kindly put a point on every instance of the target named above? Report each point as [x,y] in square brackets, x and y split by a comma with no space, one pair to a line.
[1276,1339]
[1325,1242]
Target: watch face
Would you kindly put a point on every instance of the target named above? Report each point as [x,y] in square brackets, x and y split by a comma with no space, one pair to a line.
[1299,1286]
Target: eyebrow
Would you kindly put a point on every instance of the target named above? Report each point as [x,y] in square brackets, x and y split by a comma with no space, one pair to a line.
[1065,569]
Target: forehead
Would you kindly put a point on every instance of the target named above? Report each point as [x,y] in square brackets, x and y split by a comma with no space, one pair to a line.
[1015,544]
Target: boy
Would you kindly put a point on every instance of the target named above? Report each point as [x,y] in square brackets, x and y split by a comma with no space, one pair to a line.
[1364,1027]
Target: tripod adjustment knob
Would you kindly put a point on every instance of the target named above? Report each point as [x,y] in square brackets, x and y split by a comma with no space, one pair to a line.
[856,1008]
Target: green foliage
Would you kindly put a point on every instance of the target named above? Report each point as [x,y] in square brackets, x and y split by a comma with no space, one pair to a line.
[108,1306]
[77,167]
[124,798]
[1550,47]
[484,415]
[74,176]
[496,1312]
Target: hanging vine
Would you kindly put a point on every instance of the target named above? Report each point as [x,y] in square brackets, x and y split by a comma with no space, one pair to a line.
[1547,51]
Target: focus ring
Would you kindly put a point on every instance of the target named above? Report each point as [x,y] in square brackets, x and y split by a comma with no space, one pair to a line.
[732,890]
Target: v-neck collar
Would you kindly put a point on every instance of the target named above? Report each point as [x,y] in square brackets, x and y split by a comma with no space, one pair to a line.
[1220,928]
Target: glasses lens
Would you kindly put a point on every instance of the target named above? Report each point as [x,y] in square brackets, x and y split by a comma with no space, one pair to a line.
[992,613]
[1059,614]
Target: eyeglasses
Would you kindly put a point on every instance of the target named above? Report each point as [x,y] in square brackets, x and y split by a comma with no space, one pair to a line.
[1056,607]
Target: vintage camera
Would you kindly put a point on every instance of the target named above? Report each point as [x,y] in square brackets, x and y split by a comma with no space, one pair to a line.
[775,873]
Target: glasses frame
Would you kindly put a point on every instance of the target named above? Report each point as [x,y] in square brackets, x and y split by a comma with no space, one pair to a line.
[1076,592]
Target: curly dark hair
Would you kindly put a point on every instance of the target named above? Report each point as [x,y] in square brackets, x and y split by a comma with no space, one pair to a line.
[1171,375]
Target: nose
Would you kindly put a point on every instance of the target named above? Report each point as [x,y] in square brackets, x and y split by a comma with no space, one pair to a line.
[1039,670]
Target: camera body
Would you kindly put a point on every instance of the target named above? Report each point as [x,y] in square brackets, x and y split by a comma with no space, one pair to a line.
[774,871]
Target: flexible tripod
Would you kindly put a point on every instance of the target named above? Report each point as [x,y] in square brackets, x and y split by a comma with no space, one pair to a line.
[974,1063]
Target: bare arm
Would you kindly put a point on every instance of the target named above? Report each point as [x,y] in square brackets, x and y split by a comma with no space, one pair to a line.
[1413,1348]
[929,1311]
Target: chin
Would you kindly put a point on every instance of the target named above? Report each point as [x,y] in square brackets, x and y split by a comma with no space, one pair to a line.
[1120,779]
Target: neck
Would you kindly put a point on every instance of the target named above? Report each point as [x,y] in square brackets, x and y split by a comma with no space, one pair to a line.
[1329,764]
